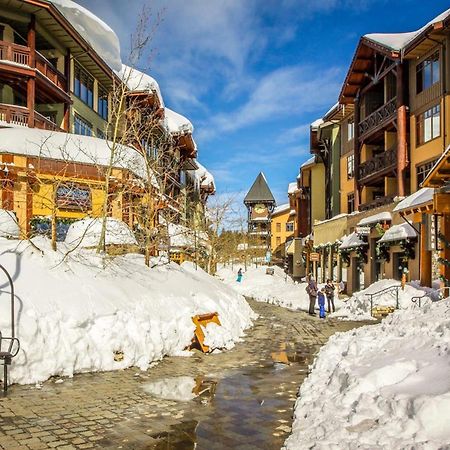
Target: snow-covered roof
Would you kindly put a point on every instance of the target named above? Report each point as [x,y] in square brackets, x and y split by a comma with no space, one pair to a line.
[351,241]
[96,32]
[292,187]
[316,123]
[309,162]
[421,197]
[398,41]
[281,208]
[182,237]
[176,123]
[70,147]
[138,81]
[9,226]
[203,177]
[380,217]
[399,232]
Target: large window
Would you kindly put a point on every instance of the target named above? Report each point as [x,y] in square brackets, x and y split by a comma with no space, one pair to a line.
[290,227]
[350,203]
[84,86]
[429,125]
[350,166]
[82,126]
[278,227]
[350,130]
[427,72]
[423,170]
[102,104]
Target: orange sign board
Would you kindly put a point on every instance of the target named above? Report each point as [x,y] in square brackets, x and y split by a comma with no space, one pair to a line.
[314,256]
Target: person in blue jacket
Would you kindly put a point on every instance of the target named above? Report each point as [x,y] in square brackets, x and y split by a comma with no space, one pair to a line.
[321,301]
[239,276]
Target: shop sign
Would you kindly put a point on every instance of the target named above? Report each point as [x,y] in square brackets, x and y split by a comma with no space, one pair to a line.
[363,231]
[314,256]
[433,228]
[73,196]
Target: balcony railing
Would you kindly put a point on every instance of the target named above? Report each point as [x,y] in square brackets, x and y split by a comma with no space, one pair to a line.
[20,54]
[378,118]
[376,203]
[19,116]
[380,163]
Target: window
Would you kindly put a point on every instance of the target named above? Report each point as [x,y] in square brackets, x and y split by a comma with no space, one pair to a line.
[427,72]
[82,127]
[423,170]
[350,166]
[102,103]
[278,227]
[350,130]
[290,227]
[350,203]
[278,241]
[83,86]
[428,125]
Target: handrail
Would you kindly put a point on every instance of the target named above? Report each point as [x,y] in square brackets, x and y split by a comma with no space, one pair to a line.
[13,334]
[383,291]
[418,299]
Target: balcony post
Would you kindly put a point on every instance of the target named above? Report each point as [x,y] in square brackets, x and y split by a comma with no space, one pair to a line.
[31,40]
[402,145]
[357,199]
[31,92]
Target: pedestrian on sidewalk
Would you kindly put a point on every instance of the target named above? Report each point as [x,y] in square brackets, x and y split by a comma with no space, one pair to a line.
[321,300]
[329,292]
[239,276]
[312,291]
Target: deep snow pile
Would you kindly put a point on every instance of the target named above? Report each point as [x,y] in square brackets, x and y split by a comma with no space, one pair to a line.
[74,314]
[276,289]
[381,386]
[357,307]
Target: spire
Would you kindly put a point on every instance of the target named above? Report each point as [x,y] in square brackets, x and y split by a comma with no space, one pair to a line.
[259,192]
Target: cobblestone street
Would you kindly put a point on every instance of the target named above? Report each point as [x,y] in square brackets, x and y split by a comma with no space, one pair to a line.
[244,398]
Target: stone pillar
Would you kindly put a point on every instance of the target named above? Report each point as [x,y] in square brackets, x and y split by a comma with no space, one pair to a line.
[425,254]
[445,253]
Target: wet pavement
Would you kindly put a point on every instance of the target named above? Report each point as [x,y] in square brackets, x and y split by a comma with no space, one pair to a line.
[239,399]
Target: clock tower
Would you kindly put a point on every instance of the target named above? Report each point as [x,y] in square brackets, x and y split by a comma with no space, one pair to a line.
[260,204]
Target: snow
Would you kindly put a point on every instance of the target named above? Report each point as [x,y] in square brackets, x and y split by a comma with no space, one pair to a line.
[357,307]
[421,197]
[277,289]
[398,41]
[376,218]
[380,386]
[351,241]
[399,232]
[179,389]
[292,187]
[176,123]
[138,81]
[96,32]
[74,310]
[203,177]
[307,163]
[70,147]
[86,233]
[316,123]
[9,228]
[281,208]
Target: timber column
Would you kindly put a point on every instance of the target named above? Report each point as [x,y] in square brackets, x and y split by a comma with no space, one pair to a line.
[445,252]
[357,155]
[402,144]
[425,254]
[31,83]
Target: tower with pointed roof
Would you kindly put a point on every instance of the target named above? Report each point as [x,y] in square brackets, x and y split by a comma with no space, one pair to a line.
[260,203]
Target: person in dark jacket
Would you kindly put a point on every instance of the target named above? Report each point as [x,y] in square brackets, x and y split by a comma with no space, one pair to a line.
[321,301]
[312,291]
[329,292]
[239,276]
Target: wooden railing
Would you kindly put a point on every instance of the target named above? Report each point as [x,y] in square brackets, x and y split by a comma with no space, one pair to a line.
[378,202]
[20,54]
[18,115]
[378,118]
[378,164]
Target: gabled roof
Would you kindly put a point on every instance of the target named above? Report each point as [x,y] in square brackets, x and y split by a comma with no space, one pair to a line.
[440,173]
[260,191]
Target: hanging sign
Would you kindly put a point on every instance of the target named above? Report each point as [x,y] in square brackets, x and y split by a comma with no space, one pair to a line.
[363,231]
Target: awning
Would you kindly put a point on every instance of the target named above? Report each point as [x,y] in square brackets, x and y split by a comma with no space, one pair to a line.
[376,218]
[327,232]
[351,241]
[399,233]
[290,247]
[420,199]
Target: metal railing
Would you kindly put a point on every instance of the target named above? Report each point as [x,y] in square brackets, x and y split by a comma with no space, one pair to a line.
[417,299]
[378,118]
[391,289]
[379,163]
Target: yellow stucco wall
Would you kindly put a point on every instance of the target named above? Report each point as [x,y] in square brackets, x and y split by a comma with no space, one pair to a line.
[280,219]
[347,185]
[317,192]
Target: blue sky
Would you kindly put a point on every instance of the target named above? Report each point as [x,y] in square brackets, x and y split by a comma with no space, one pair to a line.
[253,74]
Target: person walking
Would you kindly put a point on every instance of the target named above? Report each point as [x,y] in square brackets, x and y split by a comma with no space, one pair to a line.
[312,291]
[329,292]
[321,301]
[239,276]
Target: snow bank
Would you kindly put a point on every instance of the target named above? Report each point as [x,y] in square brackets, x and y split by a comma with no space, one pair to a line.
[380,386]
[357,307]
[276,289]
[74,314]
[9,227]
[86,233]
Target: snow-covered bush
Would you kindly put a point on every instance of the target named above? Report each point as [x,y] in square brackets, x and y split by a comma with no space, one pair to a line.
[9,228]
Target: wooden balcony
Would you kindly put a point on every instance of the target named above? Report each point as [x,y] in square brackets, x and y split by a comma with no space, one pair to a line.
[19,116]
[378,119]
[376,203]
[21,55]
[377,166]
